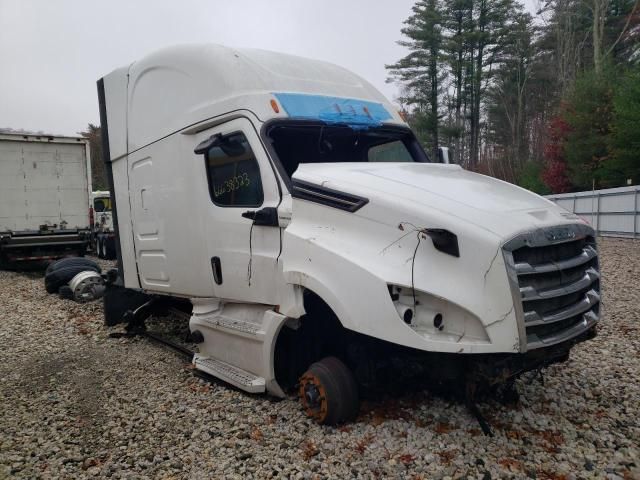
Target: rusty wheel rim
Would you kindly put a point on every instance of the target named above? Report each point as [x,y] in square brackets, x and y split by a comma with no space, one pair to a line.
[313,397]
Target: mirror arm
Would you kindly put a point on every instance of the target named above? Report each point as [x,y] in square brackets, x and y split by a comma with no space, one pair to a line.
[265,217]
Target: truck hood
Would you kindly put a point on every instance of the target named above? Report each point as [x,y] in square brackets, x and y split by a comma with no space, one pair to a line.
[492,204]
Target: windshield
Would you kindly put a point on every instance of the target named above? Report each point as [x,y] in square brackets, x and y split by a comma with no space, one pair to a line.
[102,204]
[313,142]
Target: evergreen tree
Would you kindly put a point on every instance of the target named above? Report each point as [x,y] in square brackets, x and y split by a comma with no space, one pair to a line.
[508,114]
[485,78]
[589,117]
[98,174]
[625,131]
[419,71]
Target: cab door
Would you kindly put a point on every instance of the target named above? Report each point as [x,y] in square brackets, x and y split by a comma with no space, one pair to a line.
[242,234]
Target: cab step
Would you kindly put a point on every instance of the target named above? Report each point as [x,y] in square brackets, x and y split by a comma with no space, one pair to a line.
[235,376]
[235,326]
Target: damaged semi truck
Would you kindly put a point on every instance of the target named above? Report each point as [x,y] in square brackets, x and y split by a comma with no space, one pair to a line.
[288,202]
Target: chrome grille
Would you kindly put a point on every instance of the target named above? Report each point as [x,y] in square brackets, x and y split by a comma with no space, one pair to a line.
[555,279]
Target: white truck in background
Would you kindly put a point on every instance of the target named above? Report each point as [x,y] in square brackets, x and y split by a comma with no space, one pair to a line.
[103,236]
[45,187]
[321,250]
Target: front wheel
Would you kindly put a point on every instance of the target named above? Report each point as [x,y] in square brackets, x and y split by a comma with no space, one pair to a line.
[328,392]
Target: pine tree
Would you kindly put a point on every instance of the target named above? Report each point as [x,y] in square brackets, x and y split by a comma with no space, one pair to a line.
[419,71]
[625,131]
[98,174]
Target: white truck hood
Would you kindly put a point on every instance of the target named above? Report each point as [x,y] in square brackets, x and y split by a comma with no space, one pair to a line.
[494,205]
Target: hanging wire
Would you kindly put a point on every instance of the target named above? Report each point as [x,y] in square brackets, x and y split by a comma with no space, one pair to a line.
[413,264]
[419,232]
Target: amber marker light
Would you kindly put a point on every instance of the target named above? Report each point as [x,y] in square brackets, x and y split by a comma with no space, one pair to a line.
[275,106]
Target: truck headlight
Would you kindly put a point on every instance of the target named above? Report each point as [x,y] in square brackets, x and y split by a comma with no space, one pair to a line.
[436,317]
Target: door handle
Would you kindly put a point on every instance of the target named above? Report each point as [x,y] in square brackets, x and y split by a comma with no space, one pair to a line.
[216,266]
[265,217]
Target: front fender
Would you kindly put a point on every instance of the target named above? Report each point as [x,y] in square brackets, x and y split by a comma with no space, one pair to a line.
[342,258]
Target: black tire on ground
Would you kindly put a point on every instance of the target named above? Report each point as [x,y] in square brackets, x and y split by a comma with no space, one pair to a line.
[65,292]
[70,261]
[118,300]
[328,392]
[60,276]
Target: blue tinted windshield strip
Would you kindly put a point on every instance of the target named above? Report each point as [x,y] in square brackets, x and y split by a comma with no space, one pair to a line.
[353,112]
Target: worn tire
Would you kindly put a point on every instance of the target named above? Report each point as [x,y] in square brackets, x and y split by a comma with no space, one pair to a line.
[62,275]
[328,392]
[351,405]
[65,292]
[118,300]
[69,262]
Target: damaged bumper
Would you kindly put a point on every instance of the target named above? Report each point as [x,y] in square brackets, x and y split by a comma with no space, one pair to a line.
[494,369]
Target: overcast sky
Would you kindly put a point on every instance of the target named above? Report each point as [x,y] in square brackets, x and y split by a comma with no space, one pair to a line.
[52,52]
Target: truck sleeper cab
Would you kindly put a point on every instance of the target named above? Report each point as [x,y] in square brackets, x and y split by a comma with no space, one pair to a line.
[319,247]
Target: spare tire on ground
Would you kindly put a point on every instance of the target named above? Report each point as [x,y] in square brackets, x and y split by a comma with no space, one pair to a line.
[66,292]
[72,261]
[62,275]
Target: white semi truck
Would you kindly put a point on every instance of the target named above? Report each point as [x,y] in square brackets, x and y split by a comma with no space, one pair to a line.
[45,187]
[259,187]
[103,237]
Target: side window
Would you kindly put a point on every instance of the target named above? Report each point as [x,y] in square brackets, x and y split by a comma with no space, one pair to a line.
[390,152]
[233,173]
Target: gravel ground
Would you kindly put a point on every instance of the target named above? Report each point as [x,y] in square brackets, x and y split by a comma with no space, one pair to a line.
[78,404]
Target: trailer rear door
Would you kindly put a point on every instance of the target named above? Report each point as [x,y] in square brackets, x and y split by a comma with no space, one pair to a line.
[43,183]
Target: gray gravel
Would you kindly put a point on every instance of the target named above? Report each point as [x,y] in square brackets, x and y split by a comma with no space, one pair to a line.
[75,403]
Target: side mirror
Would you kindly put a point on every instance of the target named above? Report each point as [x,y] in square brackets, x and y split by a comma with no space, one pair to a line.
[204,146]
[443,155]
[232,148]
[266,217]
[227,143]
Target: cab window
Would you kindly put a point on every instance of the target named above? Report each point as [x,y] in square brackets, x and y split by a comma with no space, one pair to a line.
[395,151]
[102,204]
[233,173]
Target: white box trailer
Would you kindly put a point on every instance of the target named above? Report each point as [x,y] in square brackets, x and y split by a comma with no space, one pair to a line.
[260,187]
[45,186]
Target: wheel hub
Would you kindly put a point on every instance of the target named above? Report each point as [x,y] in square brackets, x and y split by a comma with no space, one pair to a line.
[313,397]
